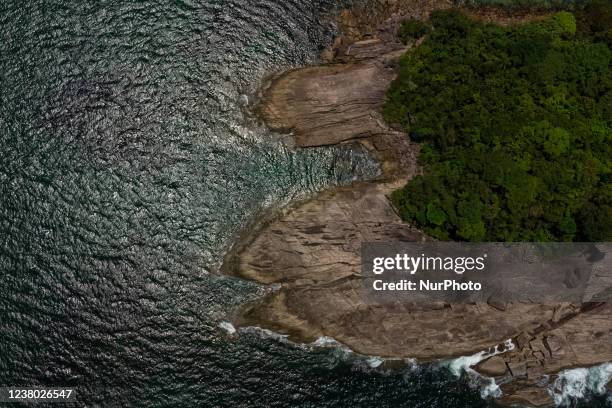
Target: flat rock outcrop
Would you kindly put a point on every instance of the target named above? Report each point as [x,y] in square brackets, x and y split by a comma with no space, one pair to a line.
[344,99]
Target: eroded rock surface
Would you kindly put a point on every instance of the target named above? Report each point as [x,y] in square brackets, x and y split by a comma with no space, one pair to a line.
[343,99]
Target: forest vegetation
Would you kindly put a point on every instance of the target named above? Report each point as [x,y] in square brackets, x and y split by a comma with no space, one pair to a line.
[521,4]
[516,127]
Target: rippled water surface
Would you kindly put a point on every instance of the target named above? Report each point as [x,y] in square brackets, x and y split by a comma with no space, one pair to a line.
[127,167]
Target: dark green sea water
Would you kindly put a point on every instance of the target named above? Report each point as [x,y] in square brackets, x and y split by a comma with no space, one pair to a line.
[127,167]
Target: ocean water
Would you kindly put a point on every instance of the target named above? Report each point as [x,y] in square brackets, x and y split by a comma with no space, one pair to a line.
[128,165]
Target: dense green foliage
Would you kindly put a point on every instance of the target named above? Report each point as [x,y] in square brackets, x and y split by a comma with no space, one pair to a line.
[542,4]
[411,30]
[516,125]
[595,21]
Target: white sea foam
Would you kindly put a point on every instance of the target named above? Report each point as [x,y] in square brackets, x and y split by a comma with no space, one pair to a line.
[489,388]
[265,333]
[330,342]
[340,350]
[374,361]
[326,341]
[228,327]
[459,365]
[412,363]
[364,362]
[463,365]
[577,383]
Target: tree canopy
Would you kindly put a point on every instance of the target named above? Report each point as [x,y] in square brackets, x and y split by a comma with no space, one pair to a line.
[516,126]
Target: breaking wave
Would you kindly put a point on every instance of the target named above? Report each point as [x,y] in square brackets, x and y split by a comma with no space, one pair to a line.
[580,383]
[463,365]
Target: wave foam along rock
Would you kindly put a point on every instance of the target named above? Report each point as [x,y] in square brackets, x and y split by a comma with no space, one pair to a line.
[578,383]
[228,327]
[374,362]
[463,364]
[326,341]
[488,386]
[265,333]
[330,342]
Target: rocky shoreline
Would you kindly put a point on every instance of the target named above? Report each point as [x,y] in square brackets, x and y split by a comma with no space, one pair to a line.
[311,252]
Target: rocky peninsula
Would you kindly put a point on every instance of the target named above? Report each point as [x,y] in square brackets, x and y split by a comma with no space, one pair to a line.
[311,251]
